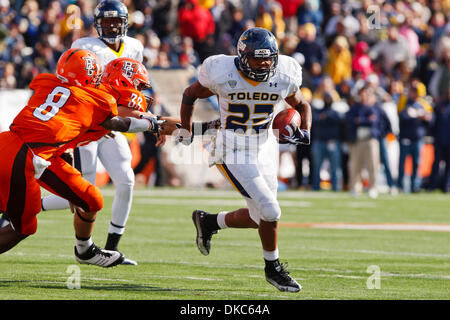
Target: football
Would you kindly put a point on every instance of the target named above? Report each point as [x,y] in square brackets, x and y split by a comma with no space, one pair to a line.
[284,121]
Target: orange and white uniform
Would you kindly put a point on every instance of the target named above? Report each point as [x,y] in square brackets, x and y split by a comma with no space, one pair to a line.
[56,115]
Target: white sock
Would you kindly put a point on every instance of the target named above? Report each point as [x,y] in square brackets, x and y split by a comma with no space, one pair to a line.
[221,219]
[121,207]
[54,202]
[83,245]
[270,255]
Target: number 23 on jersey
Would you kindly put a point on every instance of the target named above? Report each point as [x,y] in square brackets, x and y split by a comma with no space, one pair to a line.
[259,116]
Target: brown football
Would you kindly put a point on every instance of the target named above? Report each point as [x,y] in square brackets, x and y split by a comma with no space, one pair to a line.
[284,122]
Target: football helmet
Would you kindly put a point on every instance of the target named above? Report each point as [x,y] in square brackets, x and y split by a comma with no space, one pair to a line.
[126,72]
[111,20]
[79,67]
[257,43]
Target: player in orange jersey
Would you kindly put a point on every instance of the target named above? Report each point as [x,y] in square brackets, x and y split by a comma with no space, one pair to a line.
[63,108]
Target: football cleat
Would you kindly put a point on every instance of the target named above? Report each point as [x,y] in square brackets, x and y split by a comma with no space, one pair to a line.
[278,276]
[129,262]
[4,220]
[204,235]
[96,256]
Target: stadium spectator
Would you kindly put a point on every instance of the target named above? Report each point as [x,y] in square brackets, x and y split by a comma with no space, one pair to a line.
[238,24]
[310,47]
[8,78]
[440,175]
[309,12]
[197,23]
[440,79]
[414,115]
[279,26]
[72,26]
[290,8]
[361,61]
[326,86]
[161,18]
[326,144]
[365,33]
[339,65]
[392,52]
[303,172]
[187,55]
[385,129]
[263,18]
[363,132]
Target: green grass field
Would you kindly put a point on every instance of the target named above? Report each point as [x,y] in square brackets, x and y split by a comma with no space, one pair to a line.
[329,258]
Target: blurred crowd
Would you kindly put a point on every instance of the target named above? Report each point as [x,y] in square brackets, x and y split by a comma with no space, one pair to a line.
[374,71]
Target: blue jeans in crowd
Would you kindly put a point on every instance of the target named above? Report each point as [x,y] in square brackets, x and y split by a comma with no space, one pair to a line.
[413,148]
[332,151]
[384,159]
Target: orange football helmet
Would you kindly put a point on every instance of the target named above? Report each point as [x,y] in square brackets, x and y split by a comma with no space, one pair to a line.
[79,67]
[126,72]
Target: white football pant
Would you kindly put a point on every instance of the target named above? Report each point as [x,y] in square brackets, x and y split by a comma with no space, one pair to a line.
[254,175]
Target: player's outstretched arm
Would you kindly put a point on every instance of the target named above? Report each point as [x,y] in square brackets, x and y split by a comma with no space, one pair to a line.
[193,92]
[130,124]
[169,125]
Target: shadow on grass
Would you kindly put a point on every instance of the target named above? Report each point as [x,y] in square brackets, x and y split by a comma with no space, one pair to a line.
[111,287]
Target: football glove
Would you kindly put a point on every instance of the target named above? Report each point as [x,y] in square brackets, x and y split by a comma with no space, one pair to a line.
[67,157]
[183,136]
[198,129]
[155,123]
[299,136]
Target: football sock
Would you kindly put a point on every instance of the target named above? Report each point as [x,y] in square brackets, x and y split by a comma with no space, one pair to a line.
[83,244]
[112,242]
[270,255]
[221,220]
[54,202]
[211,222]
[116,228]
[121,207]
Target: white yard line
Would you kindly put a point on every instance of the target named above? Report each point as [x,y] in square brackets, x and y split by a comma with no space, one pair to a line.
[214,202]
[371,226]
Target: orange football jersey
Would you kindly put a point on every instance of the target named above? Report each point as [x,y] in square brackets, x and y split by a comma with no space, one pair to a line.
[58,113]
[126,96]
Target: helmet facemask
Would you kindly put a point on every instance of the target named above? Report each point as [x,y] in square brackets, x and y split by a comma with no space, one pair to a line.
[260,74]
[111,29]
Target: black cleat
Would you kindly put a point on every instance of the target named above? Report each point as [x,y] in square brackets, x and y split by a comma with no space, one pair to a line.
[204,235]
[96,256]
[278,276]
[4,220]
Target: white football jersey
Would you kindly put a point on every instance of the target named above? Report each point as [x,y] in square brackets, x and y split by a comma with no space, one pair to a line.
[129,48]
[246,106]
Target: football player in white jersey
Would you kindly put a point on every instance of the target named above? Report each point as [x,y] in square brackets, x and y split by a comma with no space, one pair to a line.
[111,22]
[251,88]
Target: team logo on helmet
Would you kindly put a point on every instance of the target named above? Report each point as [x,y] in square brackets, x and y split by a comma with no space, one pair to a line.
[129,69]
[90,67]
[110,14]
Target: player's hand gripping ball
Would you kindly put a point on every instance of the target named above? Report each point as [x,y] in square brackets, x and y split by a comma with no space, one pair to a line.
[285,124]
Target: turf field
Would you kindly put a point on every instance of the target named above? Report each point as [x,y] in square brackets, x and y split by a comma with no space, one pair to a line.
[330,240]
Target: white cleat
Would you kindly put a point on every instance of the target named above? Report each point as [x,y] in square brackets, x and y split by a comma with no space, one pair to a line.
[129,262]
[102,258]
